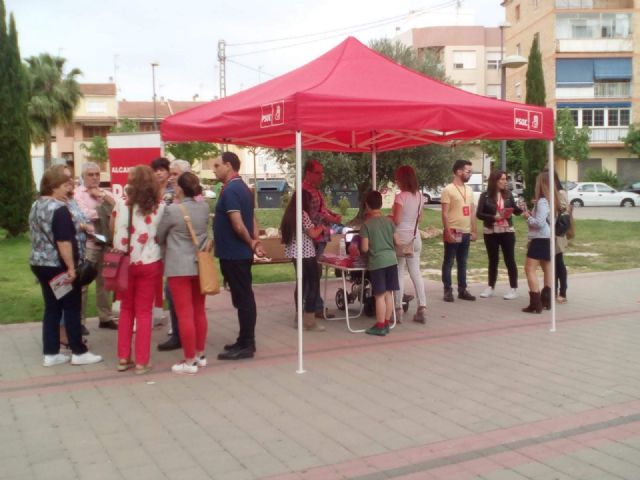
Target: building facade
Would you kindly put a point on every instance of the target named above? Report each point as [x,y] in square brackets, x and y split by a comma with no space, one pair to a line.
[590,62]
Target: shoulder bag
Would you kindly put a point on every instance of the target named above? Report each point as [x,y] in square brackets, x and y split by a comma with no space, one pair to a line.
[207,272]
[406,249]
[115,264]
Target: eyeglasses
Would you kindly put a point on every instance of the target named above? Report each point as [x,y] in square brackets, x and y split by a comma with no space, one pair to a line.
[96,174]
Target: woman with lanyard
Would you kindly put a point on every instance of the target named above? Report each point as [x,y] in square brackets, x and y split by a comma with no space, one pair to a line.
[495,208]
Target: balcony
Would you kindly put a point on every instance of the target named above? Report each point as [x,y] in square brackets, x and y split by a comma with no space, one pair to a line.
[573,45]
[608,135]
[612,90]
[593,4]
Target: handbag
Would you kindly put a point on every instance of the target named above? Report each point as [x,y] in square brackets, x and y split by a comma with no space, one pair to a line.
[207,271]
[406,249]
[115,264]
[86,272]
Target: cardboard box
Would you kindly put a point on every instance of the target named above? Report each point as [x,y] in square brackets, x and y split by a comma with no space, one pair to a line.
[274,249]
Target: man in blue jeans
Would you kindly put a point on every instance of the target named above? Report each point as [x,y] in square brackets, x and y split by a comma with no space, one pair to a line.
[459,228]
[235,232]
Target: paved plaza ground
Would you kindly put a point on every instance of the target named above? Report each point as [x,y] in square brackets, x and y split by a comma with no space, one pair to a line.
[482,391]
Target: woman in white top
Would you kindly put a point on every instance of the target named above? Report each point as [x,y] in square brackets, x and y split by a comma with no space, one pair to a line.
[145,270]
[406,215]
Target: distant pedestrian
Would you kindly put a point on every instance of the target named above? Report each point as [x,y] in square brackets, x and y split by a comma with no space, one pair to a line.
[235,232]
[459,228]
[539,248]
[495,208]
[562,242]
[378,240]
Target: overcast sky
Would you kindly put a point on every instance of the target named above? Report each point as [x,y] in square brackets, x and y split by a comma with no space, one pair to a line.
[121,38]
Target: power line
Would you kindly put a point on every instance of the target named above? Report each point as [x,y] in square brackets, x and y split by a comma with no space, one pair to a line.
[352,29]
[259,70]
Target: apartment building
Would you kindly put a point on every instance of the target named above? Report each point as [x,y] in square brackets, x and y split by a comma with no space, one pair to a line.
[471,57]
[590,62]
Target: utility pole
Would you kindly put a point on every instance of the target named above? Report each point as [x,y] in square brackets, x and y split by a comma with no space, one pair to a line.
[222,60]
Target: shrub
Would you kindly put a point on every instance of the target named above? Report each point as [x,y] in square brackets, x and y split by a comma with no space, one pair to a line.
[343,206]
[603,176]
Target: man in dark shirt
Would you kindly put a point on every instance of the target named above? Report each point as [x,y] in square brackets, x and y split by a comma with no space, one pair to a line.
[235,232]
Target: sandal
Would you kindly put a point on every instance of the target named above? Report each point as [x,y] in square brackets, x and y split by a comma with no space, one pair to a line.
[124,365]
[142,369]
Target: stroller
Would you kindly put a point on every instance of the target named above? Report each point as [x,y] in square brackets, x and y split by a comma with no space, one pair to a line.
[360,288]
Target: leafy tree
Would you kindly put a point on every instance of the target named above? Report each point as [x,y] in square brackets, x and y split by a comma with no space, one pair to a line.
[126,125]
[16,178]
[535,151]
[191,151]
[515,153]
[432,162]
[570,143]
[97,149]
[54,97]
[632,140]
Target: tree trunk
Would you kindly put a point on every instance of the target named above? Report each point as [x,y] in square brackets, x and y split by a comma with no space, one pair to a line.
[47,152]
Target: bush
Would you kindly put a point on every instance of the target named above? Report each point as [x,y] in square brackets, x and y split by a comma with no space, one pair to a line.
[343,206]
[603,176]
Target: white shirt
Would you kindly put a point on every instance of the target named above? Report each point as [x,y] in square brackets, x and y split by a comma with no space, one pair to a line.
[412,205]
[144,242]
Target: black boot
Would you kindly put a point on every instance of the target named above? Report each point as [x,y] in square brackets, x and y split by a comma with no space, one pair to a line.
[173,343]
[545,298]
[448,295]
[535,304]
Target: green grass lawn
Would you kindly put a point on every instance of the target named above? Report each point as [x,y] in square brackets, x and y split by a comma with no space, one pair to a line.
[601,245]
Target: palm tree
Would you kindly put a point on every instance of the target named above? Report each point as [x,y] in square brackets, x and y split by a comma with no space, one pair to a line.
[53,98]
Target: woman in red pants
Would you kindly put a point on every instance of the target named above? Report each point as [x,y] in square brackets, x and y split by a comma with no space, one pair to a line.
[181,268]
[135,224]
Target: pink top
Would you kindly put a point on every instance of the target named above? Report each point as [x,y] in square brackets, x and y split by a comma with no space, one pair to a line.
[88,203]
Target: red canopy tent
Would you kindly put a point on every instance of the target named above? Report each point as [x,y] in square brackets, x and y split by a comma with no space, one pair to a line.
[353,99]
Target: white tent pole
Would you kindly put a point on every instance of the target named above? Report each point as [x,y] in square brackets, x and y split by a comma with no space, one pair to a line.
[299,247]
[374,159]
[552,240]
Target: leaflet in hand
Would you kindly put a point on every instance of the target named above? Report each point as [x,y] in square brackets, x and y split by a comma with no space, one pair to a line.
[61,285]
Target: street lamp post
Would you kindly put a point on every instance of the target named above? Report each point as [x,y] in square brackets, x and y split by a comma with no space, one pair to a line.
[512,61]
[503,94]
[153,77]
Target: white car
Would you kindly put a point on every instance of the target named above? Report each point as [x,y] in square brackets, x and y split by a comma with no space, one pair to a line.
[432,195]
[595,194]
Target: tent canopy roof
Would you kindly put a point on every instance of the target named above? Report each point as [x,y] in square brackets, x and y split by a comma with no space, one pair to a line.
[351,99]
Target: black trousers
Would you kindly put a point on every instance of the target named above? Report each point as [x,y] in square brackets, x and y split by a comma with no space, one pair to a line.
[507,242]
[310,283]
[561,275]
[238,276]
[69,305]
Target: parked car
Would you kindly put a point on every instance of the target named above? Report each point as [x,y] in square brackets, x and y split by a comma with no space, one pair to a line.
[432,195]
[517,189]
[595,194]
[632,187]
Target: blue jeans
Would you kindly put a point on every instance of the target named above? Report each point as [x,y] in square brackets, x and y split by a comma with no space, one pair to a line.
[459,252]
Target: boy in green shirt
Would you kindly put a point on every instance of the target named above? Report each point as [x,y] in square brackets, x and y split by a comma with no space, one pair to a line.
[378,239]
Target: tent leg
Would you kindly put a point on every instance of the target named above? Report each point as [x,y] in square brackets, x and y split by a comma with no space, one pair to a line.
[299,249]
[552,240]
[374,160]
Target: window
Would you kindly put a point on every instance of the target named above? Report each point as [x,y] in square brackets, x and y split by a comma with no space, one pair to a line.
[625,117]
[574,115]
[612,116]
[493,91]
[598,118]
[589,187]
[469,87]
[587,118]
[464,60]
[593,25]
[605,188]
[517,11]
[90,131]
[96,107]
[493,60]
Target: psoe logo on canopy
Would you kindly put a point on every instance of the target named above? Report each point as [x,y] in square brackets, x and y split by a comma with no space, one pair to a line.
[272,114]
[527,120]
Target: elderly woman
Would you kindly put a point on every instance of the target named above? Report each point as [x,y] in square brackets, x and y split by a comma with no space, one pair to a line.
[54,255]
[181,268]
[135,224]
[406,214]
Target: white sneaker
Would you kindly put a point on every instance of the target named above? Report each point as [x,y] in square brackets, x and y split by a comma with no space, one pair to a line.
[488,292]
[184,367]
[86,358]
[201,361]
[57,359]
[511,294]
[170,330]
